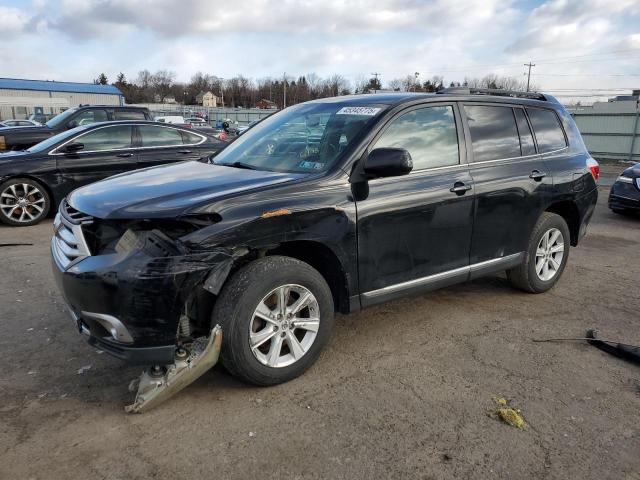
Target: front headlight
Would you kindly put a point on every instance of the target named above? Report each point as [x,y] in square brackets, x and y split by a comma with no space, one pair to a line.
[624,179]
[3,143]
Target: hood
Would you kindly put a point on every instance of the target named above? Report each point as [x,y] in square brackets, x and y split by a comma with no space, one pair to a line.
[13,154]
[169,190]
[632,171]
[36,129]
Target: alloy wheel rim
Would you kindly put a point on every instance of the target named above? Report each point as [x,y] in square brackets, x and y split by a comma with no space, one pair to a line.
[549,254]
[284,325]
[22,202]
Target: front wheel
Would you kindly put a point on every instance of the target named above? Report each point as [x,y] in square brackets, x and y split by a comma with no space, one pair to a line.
[546,255]
[276,316]
[23,202]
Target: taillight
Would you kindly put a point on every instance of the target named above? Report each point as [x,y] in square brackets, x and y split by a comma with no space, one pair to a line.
[594,168]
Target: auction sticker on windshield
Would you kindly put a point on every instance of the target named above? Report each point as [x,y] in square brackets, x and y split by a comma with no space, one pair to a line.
[368,111]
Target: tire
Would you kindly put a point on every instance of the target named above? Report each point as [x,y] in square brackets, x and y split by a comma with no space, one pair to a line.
[36,206]
[257,284]
[528,276]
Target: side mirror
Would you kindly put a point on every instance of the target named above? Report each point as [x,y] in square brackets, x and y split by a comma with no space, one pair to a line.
[73,147]
[72,124]
[388,162]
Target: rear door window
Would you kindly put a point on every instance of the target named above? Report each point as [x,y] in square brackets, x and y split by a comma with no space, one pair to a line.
[547,129]
[429,134]
[90,116]
[493,132]
[128,115]
[156,136]
[526,139]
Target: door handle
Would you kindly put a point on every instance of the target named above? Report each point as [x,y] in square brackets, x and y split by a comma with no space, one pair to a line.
[537,175]
[460,188]
[184,151]
[125,155]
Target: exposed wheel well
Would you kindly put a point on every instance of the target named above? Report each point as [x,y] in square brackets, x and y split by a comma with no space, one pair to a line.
[322,258]
[568,210]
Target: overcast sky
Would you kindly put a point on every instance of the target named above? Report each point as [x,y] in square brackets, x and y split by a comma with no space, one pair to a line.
[575,44]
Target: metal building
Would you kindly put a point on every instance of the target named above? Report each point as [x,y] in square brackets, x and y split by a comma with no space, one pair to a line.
[611,130]
[21,98]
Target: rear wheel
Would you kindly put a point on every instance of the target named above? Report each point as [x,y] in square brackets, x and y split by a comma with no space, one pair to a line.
[23,202]
[276,316]
[546,255]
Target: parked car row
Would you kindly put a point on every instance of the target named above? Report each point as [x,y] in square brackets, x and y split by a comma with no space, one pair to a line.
[20,138]
[35,180]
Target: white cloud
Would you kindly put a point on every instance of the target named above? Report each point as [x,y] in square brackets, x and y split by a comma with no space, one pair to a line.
[13,20]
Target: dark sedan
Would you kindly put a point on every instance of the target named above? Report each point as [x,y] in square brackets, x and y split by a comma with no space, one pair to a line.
[625,192]
[33,180]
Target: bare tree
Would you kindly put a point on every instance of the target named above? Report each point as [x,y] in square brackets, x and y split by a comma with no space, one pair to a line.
[161,83]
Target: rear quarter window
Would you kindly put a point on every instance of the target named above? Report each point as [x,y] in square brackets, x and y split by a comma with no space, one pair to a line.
[190,138]
[128,115]
[547,129]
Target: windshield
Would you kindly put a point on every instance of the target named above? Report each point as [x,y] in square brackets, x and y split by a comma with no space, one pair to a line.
[305,138]
[59,119]
[52,141]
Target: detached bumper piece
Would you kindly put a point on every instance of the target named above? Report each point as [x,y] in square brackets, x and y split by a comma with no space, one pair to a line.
[156,384]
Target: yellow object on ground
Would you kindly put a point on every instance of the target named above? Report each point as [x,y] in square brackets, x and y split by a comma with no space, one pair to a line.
[512,417]
[508,415]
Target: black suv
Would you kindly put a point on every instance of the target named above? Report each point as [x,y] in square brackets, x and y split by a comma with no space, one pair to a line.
[328,206]
[21,138]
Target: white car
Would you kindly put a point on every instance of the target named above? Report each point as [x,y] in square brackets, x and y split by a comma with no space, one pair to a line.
[171,119]
[19,123]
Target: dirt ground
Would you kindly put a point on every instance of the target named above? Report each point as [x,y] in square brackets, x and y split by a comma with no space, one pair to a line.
[403,391]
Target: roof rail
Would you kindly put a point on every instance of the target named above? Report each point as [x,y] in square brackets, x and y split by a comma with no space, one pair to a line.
[496,92]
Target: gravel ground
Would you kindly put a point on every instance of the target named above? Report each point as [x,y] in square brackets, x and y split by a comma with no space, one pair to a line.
[403,391]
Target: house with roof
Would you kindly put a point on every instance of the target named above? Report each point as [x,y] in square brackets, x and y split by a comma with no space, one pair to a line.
[207,99]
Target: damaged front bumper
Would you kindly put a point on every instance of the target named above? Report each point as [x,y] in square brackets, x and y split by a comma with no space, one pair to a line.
[130,303]
[156,384]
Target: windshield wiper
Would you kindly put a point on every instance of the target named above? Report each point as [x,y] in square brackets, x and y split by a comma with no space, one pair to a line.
[239,165]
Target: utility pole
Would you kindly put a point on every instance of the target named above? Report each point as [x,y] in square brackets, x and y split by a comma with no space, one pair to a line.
[529,74]
[376,75]
[284,86]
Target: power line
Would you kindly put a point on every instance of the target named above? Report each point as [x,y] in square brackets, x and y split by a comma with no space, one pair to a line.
[586,74]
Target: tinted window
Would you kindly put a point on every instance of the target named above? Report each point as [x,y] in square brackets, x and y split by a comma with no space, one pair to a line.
[526,139]
[191,138]
[429,134]
[548,132]
[493,132]
[90,116]
[153,136]
[108,138]
[129,115]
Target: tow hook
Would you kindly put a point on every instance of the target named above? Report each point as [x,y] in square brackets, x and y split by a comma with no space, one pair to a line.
[157,384]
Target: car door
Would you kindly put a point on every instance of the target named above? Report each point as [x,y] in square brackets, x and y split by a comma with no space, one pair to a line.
[105,151]
[164,144]
[414,231]
[510,179]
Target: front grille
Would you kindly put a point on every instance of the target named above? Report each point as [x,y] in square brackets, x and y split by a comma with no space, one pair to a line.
[68,244]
